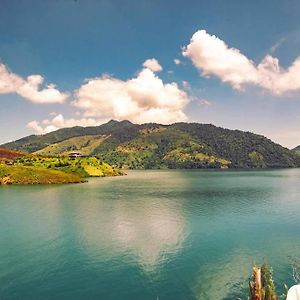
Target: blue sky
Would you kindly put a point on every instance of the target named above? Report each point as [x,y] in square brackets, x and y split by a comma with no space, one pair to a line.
[93,51]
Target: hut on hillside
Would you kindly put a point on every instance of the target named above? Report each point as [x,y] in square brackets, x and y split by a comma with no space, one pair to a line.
[74,155]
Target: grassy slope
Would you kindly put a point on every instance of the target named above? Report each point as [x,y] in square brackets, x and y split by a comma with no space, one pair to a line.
[83,167]
[86,144]
[32,175]
[33,169]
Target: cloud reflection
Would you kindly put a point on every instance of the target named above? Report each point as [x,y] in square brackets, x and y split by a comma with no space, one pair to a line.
[147,231]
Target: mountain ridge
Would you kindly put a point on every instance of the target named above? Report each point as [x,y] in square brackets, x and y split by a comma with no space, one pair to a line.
[152,145]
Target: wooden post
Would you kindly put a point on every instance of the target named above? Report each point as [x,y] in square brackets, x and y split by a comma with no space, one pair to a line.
[255,285]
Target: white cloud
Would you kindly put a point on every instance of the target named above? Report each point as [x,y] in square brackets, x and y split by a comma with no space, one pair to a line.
[8,81]
[59,121]
[145,98]
[152,64]
[34,125]
[177,61]
[213,57]
[29,88]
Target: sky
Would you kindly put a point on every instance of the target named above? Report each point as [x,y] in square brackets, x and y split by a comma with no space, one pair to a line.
[233,63]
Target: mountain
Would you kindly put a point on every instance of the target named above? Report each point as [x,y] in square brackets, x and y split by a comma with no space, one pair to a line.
[297,150]
[179,145]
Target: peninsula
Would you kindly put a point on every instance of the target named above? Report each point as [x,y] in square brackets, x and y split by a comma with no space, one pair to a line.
[21,168]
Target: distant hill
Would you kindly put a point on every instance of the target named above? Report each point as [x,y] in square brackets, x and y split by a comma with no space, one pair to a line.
[179,145]
[297,150]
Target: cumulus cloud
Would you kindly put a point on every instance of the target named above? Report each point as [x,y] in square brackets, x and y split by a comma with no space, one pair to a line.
[29,88]
[58,121]
[34,125]
[9,81]
[212,56]
[145,98]
[152,64]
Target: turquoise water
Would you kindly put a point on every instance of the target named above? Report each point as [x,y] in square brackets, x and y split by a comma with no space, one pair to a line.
[149,235]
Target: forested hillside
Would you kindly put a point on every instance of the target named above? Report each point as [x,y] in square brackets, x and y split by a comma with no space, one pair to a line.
[179,145]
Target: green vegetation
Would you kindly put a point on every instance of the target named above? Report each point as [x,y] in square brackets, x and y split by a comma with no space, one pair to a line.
[152,146]
[83,167]
[18,174]
[34,143]
[165,148]
[85,144]
[257,159]
[33,169]
[297,150]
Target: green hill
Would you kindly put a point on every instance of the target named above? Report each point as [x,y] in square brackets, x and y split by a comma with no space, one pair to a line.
[86,144]
[34,143]
[297,150]
[179,145]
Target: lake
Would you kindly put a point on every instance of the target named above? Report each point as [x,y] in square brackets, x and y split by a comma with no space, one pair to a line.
[149,235]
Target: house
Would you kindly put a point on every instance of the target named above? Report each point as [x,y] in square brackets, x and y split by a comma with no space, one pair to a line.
[74,155]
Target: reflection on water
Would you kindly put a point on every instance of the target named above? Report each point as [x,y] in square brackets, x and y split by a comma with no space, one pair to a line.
[151,234]
[149,231]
